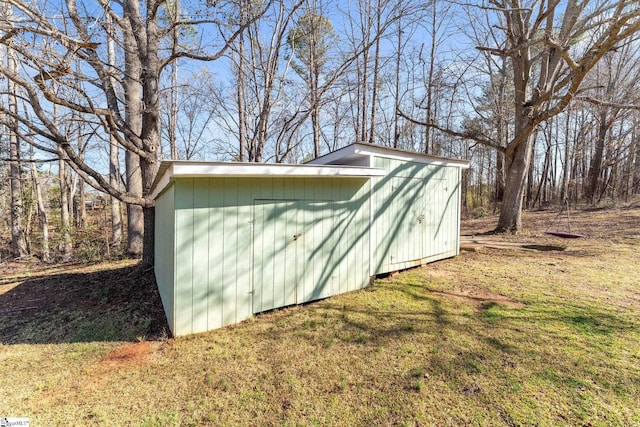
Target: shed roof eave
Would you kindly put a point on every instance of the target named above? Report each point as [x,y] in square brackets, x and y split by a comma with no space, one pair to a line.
[188,169]
[369,150]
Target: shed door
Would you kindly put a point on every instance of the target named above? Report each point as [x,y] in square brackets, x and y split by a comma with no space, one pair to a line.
[409,228]
[439,224]
[292,252]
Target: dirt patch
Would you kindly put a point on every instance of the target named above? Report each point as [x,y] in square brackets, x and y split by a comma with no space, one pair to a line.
[129,354]
[480,297]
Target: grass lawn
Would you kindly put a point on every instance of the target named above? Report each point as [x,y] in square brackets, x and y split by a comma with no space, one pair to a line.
[492,337]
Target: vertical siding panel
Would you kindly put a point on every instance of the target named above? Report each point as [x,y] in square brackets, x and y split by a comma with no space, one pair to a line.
[245,246]
[302,248]
[389,202]
[350,245]
[332,239]
[324,261]
[216,255]
[184,257]
[259,260]
[376,219]
[357,206]
[230,248]
[442,208]
[354,247]
[342,246]
[365,231]
[402,210]
[275,249]
[200,244]
[278,188]
[383,201]
[271,247]
[299,188]
[266,186]
[262,278]
[329,270]
[290,225]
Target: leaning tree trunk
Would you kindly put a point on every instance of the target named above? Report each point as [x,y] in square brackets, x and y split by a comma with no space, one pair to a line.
[517,168]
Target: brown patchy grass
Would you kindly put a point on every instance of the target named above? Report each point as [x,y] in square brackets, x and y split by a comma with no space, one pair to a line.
[493,337]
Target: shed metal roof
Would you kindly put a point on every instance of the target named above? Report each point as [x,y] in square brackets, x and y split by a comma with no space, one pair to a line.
[356,152]
[193,169]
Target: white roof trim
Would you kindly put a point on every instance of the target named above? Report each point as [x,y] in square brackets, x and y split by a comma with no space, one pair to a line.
[358,149]
[186,169]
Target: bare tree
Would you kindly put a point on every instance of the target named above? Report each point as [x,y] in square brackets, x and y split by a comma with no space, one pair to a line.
[76,61]
[614,83]
[310,41]
[538,38]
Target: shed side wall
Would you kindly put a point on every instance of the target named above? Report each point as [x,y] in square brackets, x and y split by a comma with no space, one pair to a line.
[416,214]
[216,242]
[165,251]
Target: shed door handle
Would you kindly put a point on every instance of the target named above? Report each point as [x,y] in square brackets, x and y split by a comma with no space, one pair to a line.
[295,236]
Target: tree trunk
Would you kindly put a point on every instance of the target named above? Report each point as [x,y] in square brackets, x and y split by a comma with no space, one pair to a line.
[114,180]
[528,197]
[81,215]
[65,222]
[135,215]
[18,237]
[396,115]
[148,255]
[314,76]
[150,135]
[564,190]
[375,77]
[42,211]
[240,88]
[516,177]
[114,155]
[595,168]
[432,62]
[635,186]
[499,184]
[133,113]
[363,74]
[173,113]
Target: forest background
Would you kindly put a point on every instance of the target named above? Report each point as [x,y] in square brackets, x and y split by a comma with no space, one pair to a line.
[541,96]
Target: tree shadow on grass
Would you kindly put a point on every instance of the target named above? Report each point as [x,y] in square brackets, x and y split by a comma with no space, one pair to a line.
[112,305]
[422,311]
